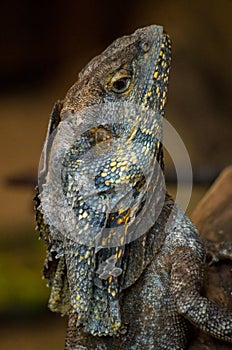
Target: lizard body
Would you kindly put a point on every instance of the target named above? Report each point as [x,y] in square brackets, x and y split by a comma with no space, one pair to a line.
[102,269]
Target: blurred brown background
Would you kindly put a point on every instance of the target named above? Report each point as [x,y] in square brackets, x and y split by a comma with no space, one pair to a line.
[43,46]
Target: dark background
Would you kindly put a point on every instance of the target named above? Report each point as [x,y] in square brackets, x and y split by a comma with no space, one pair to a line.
[43,46]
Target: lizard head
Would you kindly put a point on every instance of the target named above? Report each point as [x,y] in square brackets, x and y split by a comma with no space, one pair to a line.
[133,69]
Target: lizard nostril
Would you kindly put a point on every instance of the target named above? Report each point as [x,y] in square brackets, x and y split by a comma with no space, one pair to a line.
[146,46]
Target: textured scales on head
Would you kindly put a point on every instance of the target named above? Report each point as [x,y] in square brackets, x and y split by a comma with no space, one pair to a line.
[143,57]
[134,69]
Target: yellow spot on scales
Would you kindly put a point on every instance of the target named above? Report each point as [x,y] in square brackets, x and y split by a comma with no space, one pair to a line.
[121,210]
[134,158]
[86,226]
[147,150]
[78,297]
[87,254]
[116,326]
[81,257]
[113,293]
[155,75]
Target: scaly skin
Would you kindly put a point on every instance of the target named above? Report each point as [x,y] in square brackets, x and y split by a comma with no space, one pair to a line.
[132,294]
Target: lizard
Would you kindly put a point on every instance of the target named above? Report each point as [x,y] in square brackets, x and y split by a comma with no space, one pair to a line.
[121,287]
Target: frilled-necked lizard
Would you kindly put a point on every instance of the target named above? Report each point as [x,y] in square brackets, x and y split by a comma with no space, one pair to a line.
[124,262]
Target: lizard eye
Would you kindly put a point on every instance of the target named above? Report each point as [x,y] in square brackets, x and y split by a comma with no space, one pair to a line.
[120,82]
[121,85]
